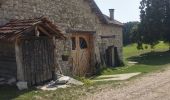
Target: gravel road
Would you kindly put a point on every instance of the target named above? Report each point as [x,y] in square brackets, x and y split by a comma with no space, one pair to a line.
[155,86]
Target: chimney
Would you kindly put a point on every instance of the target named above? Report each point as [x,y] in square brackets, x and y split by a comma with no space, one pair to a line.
[111,14]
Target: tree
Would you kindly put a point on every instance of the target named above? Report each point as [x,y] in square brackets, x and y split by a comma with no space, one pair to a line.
[166,22]
[128,33]
[150,28]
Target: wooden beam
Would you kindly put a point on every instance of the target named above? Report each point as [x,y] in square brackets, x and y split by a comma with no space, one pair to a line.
[54,31]
[44,31]
[37,33]
[18,54]
[81,31]
[111,36]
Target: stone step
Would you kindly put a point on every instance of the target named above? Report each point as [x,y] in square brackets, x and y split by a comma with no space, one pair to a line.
[2,79]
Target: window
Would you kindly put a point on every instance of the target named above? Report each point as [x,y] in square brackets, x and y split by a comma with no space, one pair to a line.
[73,43]
[83,43]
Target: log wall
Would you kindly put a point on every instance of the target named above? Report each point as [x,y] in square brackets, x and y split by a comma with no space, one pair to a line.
[37,60]
[8,65]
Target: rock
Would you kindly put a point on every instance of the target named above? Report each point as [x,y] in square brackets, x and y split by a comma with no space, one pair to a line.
[2,79]
[74,82]
[22,85]
[47,88]
[11,81]
[63,80]
[132,62]
[2,83]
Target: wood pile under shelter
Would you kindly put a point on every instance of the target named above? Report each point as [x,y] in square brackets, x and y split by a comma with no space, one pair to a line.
[27,50]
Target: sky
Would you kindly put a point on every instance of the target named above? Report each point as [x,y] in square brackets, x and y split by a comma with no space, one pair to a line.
[125,10]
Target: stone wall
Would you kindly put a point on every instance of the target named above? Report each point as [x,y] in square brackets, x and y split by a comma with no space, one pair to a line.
[69,14]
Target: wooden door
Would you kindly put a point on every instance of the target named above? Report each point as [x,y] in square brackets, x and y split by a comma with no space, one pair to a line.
[38,60]
[110,57]
[81,54]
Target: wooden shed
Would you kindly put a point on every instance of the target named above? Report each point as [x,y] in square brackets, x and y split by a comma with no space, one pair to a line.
[27,50]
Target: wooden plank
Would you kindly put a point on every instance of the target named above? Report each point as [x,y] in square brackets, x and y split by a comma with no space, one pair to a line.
[39,62]
[44,31]
[46,60]
[33,72]
[20,74]
[107,37]
[24,59]
[49,60]
[47,67]
[28,63]
[36,61]
[42,58]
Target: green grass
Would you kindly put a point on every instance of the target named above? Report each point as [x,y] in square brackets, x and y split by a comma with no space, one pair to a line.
[147,62]
[129,69]
[72,93]
[131,50]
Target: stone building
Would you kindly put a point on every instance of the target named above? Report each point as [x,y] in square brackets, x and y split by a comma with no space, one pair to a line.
[93,39]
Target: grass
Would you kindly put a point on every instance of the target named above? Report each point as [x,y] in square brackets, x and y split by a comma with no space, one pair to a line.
[129,69]
[131,50]
[148,61]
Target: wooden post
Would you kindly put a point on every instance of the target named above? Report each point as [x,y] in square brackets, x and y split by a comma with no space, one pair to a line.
[18,52]
[113,56]
[55,64]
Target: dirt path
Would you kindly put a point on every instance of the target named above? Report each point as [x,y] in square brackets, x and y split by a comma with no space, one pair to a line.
[155,86]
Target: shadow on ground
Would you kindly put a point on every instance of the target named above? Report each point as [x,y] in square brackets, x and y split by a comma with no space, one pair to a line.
[152,58]
[11,92]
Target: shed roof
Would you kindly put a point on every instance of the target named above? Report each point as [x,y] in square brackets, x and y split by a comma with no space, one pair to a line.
[16,28]
[103,18]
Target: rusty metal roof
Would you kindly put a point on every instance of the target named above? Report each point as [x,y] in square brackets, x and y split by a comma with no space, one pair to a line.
[16,28]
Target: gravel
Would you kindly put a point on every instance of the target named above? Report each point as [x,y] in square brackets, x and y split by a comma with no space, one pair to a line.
[155,86]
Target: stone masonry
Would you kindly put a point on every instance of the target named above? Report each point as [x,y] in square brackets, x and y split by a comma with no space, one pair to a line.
[69,14]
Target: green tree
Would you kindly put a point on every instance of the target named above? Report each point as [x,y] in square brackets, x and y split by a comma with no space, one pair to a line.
[128,33]
[166,22]
[150,28]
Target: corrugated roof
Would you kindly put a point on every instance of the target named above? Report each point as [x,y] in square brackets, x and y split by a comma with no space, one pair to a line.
[15,28]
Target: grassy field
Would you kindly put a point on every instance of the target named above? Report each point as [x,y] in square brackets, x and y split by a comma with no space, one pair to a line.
[148,61]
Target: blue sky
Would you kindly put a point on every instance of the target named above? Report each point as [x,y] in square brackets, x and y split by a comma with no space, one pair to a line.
[125,10]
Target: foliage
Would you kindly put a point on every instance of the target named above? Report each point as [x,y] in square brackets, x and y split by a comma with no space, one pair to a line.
[128,30]
[85,80]
[155,23]
[166,25]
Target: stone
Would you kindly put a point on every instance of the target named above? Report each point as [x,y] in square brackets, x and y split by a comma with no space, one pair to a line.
[22,85]
[2,79]
[2,83]
[74,82]
[117,77]
[46,88]
[11,81]
[63,80]
[132,62]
